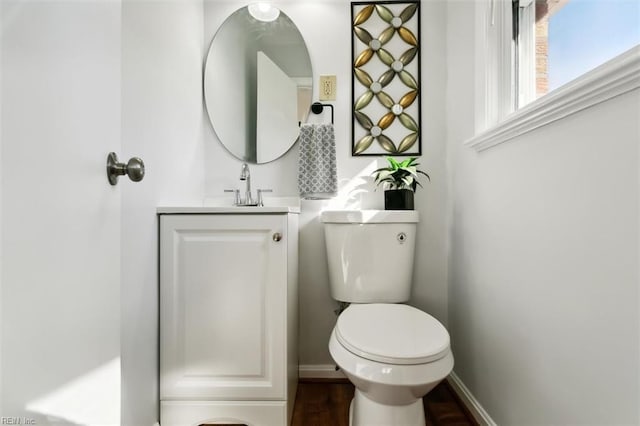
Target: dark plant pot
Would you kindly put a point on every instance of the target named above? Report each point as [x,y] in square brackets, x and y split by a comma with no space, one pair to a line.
[398,199]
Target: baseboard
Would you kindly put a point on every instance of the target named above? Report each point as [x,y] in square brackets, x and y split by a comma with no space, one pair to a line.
[319,371]
[472,404]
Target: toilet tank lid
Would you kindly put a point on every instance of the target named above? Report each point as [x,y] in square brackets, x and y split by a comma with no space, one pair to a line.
[369,216]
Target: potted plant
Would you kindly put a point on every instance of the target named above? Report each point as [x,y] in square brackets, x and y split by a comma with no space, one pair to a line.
[400,180]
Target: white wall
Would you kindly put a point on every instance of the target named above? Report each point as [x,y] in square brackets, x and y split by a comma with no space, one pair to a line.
[60,218]
[543,298]
[325,26]
[162,120]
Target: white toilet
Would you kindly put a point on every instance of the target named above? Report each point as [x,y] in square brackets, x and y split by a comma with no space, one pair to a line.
[393,353]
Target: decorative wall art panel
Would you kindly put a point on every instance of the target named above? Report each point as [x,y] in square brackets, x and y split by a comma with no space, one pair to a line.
[386,78]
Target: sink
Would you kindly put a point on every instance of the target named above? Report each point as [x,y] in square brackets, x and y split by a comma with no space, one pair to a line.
[222,205]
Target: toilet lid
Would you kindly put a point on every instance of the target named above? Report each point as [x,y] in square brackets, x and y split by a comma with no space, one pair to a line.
[392,333]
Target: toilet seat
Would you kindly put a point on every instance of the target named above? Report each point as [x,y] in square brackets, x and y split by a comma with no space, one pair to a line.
[392,333]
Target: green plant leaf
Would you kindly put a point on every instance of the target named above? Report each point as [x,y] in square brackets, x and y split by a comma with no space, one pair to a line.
[428,177]
[408,181]
[406,162]
[384,175]
[394,164]
[412,170]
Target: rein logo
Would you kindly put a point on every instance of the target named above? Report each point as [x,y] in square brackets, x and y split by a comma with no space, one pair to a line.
[17,421]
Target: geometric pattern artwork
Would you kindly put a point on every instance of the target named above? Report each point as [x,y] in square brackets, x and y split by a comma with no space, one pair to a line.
[385,91]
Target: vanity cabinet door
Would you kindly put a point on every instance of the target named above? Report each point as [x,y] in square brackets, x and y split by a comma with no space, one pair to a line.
[223,307]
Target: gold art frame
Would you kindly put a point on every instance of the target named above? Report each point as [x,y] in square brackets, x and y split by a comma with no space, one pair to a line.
[385,88]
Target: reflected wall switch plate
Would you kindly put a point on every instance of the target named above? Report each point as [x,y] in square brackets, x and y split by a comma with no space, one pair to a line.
[327,87]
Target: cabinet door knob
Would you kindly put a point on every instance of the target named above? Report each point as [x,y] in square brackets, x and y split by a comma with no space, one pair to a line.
[277,237]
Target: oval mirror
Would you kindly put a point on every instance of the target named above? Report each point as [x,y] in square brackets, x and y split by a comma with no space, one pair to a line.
[257,83]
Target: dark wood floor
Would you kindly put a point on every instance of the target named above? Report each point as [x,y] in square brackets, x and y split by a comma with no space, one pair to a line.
[326,403]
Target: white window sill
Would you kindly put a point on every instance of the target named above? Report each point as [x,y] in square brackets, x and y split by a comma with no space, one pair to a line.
[618,76]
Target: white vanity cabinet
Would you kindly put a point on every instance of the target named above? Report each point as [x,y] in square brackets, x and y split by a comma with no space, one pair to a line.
[228,317]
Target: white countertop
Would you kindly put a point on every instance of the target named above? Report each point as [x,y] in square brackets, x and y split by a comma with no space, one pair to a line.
[226,209]
[224,205]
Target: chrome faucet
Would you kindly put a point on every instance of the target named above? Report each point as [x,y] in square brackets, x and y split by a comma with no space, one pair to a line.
[246,175]
[248,197]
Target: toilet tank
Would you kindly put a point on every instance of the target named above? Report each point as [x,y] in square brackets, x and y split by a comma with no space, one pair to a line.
[370,254]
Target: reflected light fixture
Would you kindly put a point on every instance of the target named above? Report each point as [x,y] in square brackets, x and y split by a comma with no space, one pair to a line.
[264,12]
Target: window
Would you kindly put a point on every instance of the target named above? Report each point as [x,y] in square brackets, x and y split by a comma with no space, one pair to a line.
[560,40]
[546,59]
